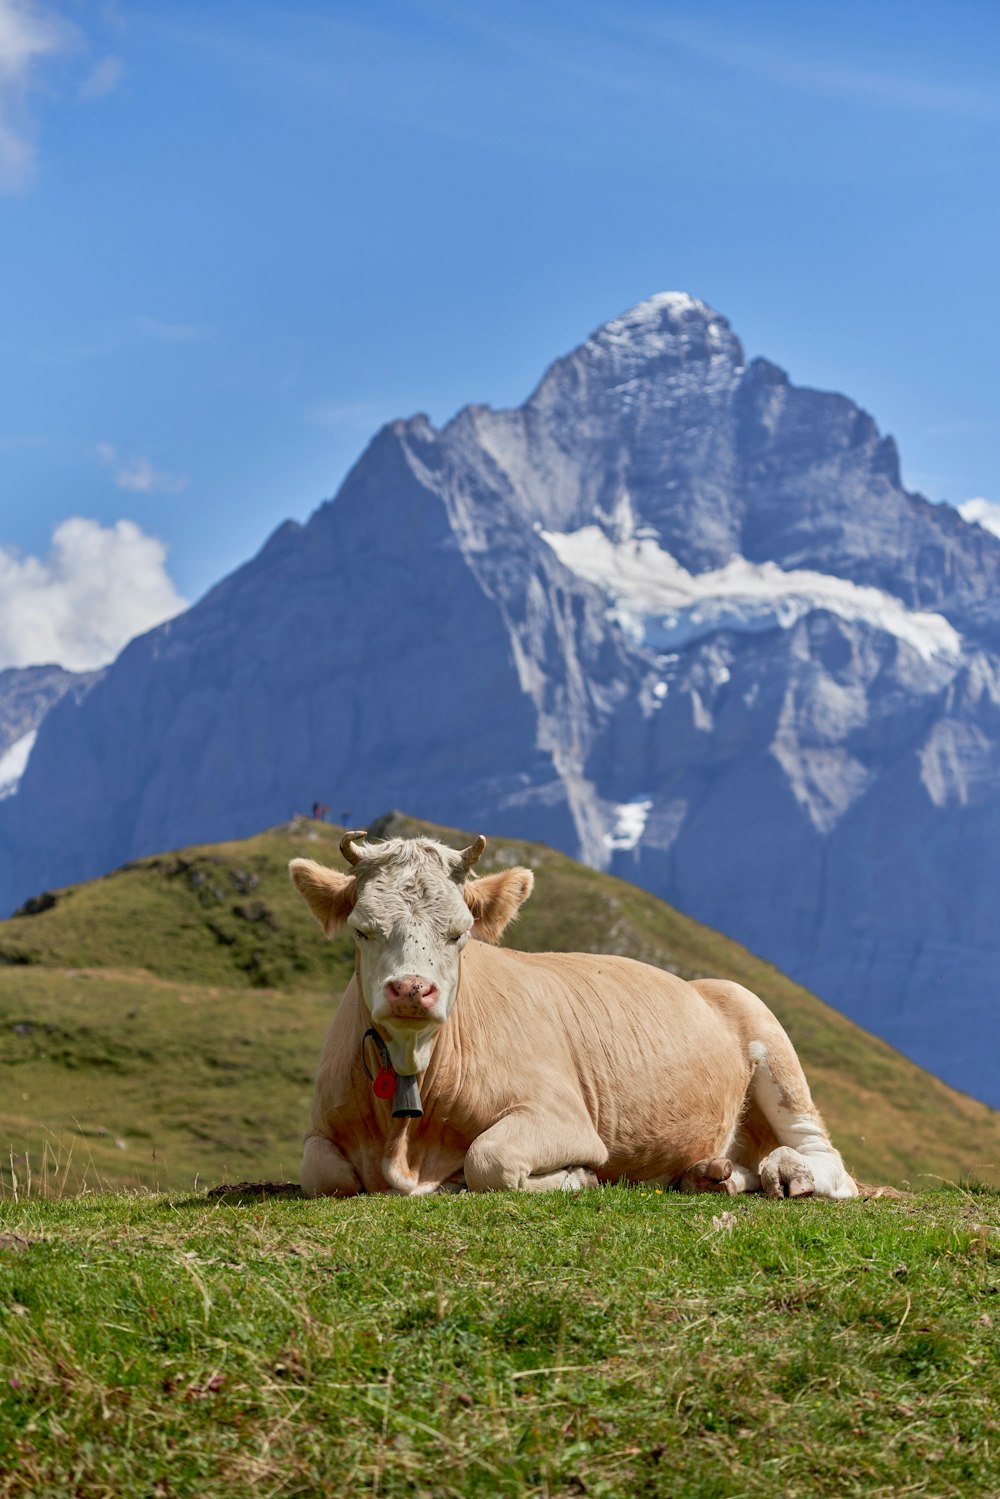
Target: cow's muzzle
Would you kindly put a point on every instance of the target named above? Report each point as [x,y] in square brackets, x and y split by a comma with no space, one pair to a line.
[410,997]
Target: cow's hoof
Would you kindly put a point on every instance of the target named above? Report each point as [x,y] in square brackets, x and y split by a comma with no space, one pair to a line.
[784,1173]
[712,1175]
[454,1184]
[579,1179]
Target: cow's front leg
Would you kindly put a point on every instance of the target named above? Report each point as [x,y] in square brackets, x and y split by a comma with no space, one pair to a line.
[572,1179]
[326,1171]
[535,1153]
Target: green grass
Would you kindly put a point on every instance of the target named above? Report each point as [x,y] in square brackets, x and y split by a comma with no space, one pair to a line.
[161,1025]
[616,1342]
[126,1078]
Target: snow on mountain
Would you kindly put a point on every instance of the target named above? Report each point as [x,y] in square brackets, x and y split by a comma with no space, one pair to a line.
[674,614]
[13,763]
[26,694]
[629,824]
[660,604]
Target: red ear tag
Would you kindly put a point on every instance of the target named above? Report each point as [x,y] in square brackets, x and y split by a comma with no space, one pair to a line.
[384,1085]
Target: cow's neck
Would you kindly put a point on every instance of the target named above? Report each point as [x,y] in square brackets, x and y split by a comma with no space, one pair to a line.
[417,1154]
[410,1051]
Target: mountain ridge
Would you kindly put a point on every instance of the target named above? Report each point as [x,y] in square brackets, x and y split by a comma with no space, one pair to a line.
[674,614]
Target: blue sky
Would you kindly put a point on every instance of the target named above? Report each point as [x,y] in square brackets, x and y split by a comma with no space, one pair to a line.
[234,238]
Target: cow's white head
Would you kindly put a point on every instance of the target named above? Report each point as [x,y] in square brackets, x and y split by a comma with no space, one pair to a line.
[412,904]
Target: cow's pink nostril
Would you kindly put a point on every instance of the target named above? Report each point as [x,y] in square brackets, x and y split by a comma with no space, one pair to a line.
[410,993]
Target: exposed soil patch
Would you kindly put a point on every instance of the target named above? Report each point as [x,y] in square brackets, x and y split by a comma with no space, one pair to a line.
[237,1191]
[14,1243]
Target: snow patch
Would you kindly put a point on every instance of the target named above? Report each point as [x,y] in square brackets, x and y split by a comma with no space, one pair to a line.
[660,604]
[14,762]
[674,302]
[629,824]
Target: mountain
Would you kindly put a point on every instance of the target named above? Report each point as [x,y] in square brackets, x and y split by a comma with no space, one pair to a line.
[171,1014]
[26,695]
[674,615]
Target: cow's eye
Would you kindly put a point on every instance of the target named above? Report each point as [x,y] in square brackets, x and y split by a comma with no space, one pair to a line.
[363,936]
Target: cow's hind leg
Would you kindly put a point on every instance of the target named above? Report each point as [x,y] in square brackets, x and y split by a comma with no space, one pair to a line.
[780,1144]
[780,1172]
[804,1160]
[727,1174]
[715,1175]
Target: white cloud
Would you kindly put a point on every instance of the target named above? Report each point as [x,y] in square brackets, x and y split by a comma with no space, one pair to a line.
[821,76]
[986,512]
[138,474]
[102,78]
[98,586]
[29,32]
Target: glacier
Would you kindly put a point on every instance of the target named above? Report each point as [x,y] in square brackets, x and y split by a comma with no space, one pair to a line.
[660,604]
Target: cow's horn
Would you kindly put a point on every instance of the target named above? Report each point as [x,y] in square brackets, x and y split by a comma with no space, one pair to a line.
[473,853]
[350,849]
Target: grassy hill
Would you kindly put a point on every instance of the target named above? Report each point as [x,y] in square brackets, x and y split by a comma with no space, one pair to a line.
[162,1024]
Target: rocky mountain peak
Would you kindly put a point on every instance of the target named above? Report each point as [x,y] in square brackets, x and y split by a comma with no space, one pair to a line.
[669,340]
[668,322]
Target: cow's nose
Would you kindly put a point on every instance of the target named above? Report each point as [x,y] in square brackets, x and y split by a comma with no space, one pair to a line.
[410,994]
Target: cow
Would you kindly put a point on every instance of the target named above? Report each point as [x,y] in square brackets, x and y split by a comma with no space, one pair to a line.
[451,1062]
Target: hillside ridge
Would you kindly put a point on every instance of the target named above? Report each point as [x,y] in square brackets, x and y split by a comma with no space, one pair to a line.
[164,1021]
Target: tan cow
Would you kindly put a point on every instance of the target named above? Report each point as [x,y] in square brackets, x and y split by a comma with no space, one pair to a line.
[451,1061]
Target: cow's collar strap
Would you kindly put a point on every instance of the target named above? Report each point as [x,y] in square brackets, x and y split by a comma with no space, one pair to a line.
[402,1088]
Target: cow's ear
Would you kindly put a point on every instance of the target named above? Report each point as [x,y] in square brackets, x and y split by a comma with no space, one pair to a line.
[329,894]
[495,899]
